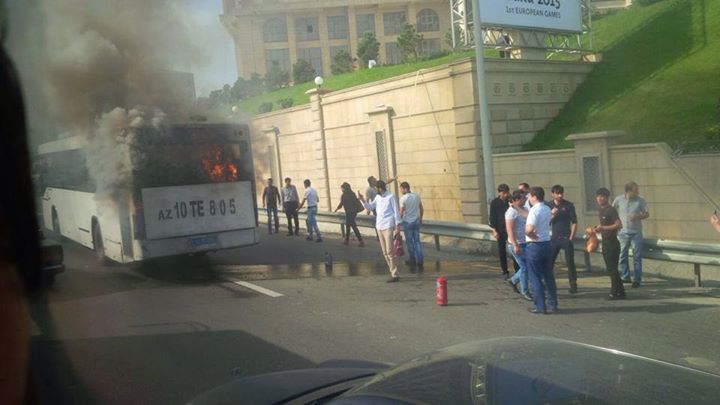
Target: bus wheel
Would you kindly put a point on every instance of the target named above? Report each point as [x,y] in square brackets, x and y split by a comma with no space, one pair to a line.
[98,245]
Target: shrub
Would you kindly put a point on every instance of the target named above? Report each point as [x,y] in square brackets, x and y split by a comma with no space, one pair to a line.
[342,63]
[368,48]
[285,102]
[303,72]
[276,78]
[265,107]
[408,43]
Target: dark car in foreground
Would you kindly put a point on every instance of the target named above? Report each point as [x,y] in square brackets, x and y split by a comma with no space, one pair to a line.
[52,259]
[517,370]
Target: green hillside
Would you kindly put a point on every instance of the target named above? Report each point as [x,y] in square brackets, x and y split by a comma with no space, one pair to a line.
[343,81]
[659,79]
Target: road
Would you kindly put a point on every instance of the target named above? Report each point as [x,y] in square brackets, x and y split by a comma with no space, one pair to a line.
[161,332]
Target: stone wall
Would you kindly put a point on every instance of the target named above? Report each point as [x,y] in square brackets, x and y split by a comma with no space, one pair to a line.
[420,127]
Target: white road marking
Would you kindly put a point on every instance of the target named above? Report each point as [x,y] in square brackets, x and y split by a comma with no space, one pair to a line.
[257,288]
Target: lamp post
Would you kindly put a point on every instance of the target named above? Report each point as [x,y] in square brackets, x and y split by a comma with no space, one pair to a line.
[326,172]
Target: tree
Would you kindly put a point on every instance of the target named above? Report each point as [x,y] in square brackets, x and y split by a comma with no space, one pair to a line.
[368,48]
[256,85]
[276,78]
[458,38]
[303,71]
[408,42]
[342,63]
[239,90]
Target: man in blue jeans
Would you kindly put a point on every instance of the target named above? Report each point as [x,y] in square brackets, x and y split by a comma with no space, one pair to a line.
[311,197]
[539,255]
[632,210]
[411,214]
[515,218]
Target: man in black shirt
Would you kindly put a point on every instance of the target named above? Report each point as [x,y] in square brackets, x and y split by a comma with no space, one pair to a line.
[564,225]
[498,206]
[609,225]
[271,196]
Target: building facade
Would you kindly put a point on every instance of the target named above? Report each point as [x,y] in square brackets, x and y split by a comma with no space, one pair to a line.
[280,32]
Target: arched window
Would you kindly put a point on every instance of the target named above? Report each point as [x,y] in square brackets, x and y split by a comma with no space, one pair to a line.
[427,21]
[275,30]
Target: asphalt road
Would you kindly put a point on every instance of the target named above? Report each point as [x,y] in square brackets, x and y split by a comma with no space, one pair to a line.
[161,332]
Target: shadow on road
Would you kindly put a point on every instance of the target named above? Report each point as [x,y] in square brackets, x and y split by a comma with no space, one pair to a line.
[196,270]
[161,368]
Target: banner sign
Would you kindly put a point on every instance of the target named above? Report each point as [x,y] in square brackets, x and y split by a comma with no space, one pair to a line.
[551,15]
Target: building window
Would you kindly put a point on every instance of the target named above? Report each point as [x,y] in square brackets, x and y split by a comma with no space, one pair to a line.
[365,23]
[392,56]
[337,27]
[430,46]
[392,22]
[306,29]
[275,30]
[277,57]
[312,55]
[335,49]
[427,21]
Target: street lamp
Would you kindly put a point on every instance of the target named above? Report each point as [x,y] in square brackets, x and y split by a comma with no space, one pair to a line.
[319,81]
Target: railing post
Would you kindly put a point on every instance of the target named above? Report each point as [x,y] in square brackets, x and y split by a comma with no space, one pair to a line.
[698,280]
[588,266]
[437,242]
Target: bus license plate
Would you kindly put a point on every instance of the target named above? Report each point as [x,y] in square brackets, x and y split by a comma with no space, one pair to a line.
[204,242]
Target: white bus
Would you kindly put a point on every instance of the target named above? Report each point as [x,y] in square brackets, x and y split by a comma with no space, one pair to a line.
[191,190]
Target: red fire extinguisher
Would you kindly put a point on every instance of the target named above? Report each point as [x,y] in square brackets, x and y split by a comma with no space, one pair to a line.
[441,297]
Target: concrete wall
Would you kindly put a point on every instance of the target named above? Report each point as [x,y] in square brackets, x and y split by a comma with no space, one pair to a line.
[428,120]
[679,207]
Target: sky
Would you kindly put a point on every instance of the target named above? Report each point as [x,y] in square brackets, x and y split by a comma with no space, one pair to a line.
[220,68]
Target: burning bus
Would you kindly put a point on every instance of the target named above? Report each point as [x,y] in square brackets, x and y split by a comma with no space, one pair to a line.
[162,190]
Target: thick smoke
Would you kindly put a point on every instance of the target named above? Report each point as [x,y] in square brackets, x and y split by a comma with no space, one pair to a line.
[110,152]
[86,65]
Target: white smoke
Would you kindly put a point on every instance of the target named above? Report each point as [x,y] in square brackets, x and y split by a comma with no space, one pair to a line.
[111,150]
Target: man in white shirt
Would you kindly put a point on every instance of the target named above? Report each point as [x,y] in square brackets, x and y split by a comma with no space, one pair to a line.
[538,253]
[411,212]
[311,197]
[387,224]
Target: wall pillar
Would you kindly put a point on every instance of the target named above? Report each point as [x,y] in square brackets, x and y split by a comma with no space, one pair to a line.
[318,118]
[592,154]
[352,31]
[292,43]
[380,123]
[273,133]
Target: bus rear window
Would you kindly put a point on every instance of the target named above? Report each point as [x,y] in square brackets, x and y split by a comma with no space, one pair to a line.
[163,165]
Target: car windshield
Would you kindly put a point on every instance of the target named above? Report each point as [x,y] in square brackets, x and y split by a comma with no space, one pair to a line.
[313,201]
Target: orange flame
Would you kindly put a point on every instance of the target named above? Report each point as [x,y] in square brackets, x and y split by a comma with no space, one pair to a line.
[219,167]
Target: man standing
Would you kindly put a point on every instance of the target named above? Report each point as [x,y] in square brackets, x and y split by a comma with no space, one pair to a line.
[515,219]
[564,225]
[498,206]
[538,258]
[271,196]
[525,188]
[411,212]
[609,225]
[291,199]
[387,224]
[632,210]
[311,197]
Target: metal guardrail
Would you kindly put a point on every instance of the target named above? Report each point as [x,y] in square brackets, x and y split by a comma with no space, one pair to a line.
[697,254]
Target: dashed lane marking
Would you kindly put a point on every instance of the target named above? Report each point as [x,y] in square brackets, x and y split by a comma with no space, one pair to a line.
[256,288]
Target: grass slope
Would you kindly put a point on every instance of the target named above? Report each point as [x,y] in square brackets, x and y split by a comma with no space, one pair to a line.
[659,79]
[339,82]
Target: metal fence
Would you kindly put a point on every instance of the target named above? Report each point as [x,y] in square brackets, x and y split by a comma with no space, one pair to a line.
[697,254]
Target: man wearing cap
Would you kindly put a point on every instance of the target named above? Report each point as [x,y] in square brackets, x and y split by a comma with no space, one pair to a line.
[609,225]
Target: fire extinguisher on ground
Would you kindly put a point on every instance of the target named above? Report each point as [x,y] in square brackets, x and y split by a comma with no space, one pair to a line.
[441,297]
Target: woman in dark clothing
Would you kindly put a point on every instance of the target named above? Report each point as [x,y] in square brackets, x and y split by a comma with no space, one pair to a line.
[352,206]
